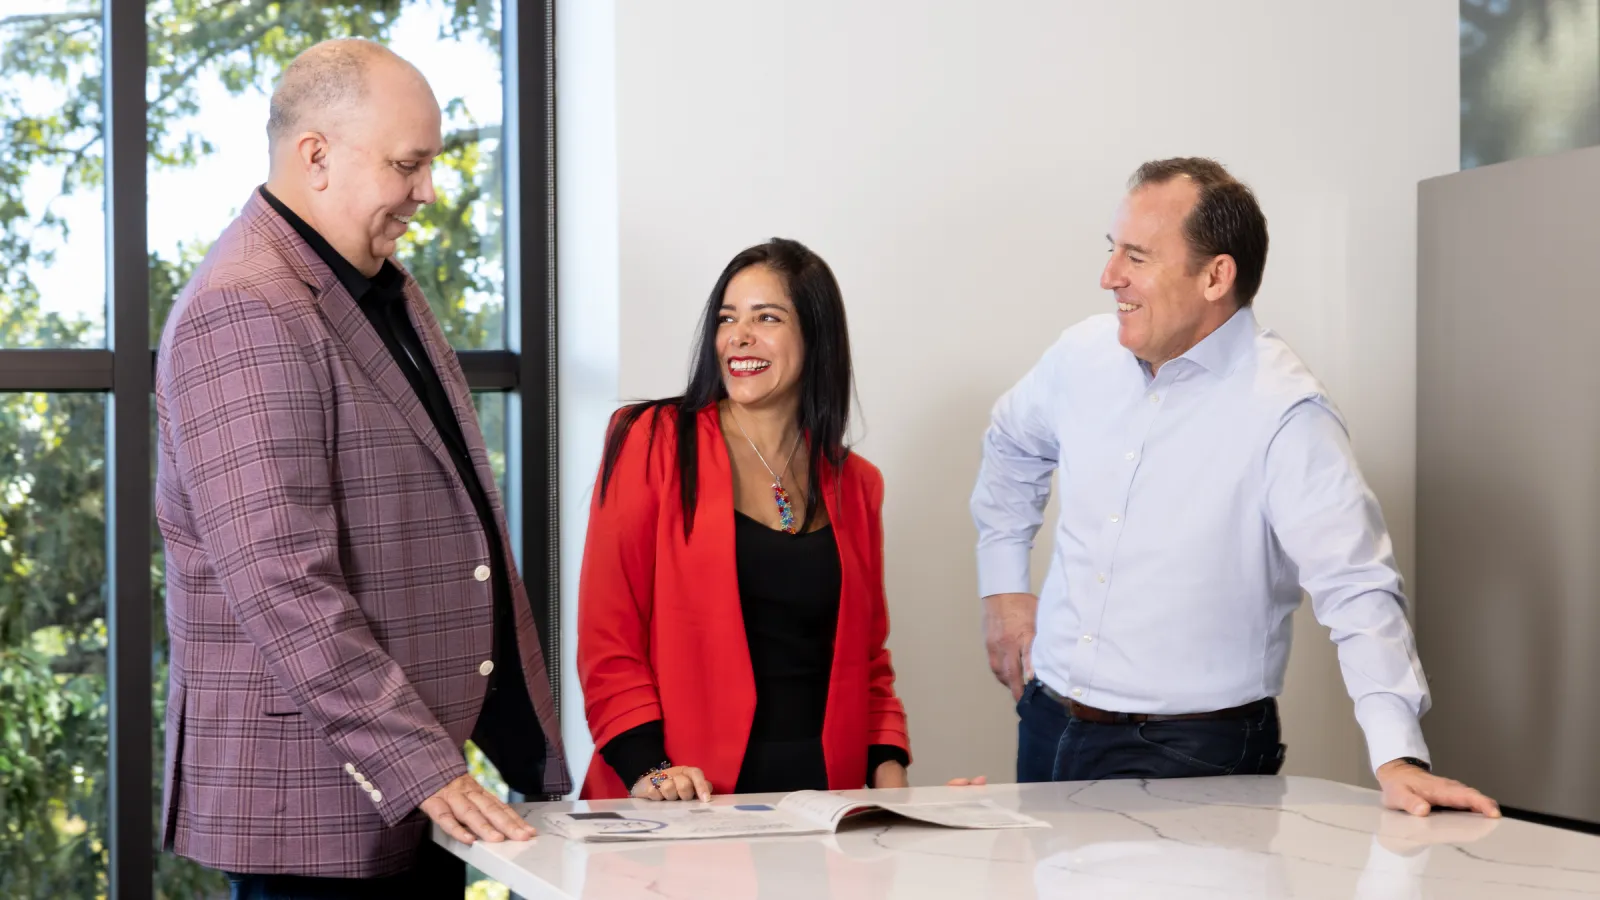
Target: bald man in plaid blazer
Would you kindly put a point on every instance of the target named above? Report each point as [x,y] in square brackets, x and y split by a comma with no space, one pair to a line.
[334,540]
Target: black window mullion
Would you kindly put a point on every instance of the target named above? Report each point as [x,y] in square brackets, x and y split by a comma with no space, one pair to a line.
[55,370]
[490,370]
[528,51]
[128,489]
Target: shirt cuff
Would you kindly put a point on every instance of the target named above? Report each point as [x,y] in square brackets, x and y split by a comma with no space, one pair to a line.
[636,751]
[878,754]
[1392,729]
[1003,569]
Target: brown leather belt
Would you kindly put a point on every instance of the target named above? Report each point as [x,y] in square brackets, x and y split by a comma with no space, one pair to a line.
[1105,717]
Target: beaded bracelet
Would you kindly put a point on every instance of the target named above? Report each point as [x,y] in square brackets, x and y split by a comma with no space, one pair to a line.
[658,774]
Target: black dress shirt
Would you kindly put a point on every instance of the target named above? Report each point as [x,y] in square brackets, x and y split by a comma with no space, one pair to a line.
[508,729]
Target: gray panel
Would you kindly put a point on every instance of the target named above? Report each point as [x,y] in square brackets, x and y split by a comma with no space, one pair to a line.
[1508,478]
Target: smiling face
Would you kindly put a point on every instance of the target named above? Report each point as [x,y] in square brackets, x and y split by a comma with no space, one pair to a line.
[759,344]
[376,166]
[1165,303]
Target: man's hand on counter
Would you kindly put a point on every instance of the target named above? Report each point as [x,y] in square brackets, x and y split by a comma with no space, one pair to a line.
[1417,791]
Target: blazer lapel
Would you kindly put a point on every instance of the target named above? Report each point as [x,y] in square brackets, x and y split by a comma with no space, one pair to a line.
[713,551]
[351,325]
[847,534]
[448,366]
[714,534]
[851,631]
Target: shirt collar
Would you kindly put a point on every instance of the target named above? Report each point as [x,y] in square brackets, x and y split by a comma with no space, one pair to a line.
[356,283]
[1219,351]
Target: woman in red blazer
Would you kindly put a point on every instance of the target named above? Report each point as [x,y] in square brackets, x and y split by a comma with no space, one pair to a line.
[731,614]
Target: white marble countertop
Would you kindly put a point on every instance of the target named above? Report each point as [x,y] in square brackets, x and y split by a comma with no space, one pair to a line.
[1180,838]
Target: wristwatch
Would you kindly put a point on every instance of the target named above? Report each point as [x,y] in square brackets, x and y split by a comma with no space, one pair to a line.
[1412,760]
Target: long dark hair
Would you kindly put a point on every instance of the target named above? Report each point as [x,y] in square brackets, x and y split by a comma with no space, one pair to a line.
[825,381]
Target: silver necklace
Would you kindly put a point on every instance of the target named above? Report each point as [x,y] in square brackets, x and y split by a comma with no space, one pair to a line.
[779,495]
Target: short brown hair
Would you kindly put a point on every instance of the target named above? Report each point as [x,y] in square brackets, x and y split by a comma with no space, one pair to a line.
[1225,220]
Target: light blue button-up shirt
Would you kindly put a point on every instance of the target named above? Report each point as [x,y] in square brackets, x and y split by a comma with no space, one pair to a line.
[1195,506]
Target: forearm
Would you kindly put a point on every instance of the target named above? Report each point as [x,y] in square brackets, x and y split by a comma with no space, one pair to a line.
[1391,728]
[878,754]
[1329,523]
[1383,674]
[636,751]
[1009,498]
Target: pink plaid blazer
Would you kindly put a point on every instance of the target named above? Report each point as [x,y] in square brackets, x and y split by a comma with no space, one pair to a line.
[328,624]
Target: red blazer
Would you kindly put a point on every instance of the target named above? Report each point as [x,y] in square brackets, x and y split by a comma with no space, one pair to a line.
[661,633]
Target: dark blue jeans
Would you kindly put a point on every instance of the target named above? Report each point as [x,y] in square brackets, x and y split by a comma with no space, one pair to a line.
[437,874]
[1054,746]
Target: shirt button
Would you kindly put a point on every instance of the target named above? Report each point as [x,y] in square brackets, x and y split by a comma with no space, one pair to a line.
[1155,398]
[1088,638]
[481,573]
[1077,692]
[1116,518]
[349,768]
[367,786]
[486,667]
[1100,577]
[377,796]
[1128,455]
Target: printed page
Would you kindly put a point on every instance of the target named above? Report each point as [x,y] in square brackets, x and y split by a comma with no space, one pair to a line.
[964,814]
[824,809]
[680,821]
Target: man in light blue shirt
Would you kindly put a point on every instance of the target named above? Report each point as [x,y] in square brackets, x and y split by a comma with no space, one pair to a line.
[1205,479]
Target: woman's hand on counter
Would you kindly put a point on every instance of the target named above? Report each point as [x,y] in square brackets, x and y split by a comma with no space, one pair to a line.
[676,783]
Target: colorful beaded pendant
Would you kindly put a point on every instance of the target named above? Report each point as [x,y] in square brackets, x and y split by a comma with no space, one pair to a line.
[785,508]
[781,496]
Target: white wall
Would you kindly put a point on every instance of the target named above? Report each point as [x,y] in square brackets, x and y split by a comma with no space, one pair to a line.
[586,307]
[957,165]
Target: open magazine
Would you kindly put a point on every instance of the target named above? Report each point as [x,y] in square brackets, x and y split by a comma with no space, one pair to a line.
[803,812]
